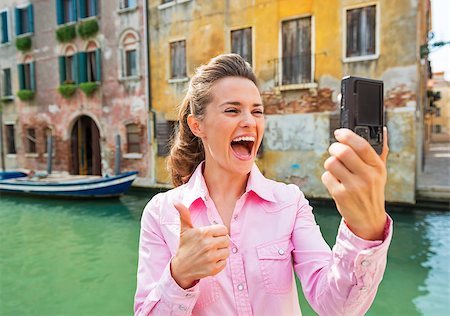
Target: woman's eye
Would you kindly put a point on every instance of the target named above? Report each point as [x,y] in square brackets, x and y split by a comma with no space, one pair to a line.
[258,112]
[231,110]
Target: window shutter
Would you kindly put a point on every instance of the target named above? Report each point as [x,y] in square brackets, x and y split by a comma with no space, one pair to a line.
[30,18]
[98,66]
[17,20]
[82,7]
[59,12]
[75,69]
[62,69]
[21,73]
[4,26]
[94,7]
[74,11]
[122,63]
[33,76]
[82,67]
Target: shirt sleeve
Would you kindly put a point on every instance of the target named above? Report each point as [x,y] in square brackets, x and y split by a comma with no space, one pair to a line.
[341,281]
[157,292]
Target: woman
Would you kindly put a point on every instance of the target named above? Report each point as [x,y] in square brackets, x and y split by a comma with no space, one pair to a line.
[226,240]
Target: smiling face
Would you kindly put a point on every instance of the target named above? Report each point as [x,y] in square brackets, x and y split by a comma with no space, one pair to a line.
[233,126]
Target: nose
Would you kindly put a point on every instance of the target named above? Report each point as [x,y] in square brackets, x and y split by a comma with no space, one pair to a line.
[247,119]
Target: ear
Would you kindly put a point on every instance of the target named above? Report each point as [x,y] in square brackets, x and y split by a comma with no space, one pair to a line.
[195,125]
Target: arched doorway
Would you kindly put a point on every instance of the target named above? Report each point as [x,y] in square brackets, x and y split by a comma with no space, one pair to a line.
[85,147]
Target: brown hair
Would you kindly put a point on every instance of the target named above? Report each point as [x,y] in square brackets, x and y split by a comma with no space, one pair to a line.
[187,150]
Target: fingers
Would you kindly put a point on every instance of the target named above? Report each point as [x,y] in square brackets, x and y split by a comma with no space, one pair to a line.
[185,217]
[385,152]
[347,156]
[337,169]
[359,145]
[331,183]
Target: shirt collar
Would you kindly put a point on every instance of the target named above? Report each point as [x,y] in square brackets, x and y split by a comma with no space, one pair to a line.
[196,186]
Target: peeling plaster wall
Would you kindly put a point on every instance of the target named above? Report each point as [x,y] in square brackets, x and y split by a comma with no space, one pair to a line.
[295,148]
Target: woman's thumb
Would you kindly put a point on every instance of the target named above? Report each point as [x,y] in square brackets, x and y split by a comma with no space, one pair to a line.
[185,216]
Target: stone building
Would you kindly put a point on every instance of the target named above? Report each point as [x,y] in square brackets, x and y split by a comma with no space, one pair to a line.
[440,118]
[74,69]
[299,50]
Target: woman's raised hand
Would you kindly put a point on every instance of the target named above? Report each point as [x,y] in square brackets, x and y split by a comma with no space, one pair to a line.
[202,252]
[356,176]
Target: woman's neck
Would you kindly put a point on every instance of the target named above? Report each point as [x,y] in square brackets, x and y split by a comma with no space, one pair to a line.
[223,185]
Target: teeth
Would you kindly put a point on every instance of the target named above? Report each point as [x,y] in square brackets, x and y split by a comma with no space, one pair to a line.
[244,138]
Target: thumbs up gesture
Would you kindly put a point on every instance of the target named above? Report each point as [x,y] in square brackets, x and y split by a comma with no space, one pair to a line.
[202,251]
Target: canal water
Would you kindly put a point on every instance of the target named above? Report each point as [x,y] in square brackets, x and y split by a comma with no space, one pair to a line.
[80,257]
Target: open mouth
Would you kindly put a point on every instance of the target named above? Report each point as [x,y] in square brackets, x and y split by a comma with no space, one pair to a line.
[242,147]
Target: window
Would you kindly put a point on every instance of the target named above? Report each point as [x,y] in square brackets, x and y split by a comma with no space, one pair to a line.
[90,64]
[437,129]
[10,139]
[88,8]
[7,90]
[241,43]
[4,32]
[24,20]
[178,60]
[68,66]
[66,11]
[438,112]
[27,75]
[129,47]
[31,140]
[164,134]
[166,1]
[296,51]
[125,4]
[361,32]
[133,138]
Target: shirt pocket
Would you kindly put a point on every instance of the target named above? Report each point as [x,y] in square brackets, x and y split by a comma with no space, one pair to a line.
[209,293]
[275,261]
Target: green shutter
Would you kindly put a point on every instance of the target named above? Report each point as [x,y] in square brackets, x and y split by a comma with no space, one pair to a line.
[74,10]
[82,7]
[59,12]
[30,18]
[33,76]
[4,26]
[75,69]
[98,65]
[62,69]
[17,20]
[82,67]
[21,73]
[94,6]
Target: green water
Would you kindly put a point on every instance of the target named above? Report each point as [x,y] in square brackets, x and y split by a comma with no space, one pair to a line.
[80,257]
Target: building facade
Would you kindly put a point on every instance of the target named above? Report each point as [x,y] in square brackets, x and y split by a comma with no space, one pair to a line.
[75,70]
[299,51]
[440,119]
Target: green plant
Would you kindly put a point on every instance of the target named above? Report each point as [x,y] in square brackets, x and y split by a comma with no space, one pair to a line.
[67,89]
[25,94]
[88,28]
[66,33]
[88,87]
[23,43]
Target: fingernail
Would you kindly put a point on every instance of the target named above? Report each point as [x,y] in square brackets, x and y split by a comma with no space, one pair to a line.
[337,133]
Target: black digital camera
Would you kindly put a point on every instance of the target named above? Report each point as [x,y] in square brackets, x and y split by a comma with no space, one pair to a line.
[362,109]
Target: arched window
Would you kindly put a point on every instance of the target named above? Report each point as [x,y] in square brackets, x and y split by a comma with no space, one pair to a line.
[129,49]
[133,138]
[92,62]
[26,71]
[68,66]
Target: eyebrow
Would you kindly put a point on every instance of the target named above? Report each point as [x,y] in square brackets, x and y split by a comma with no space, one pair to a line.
[237,103]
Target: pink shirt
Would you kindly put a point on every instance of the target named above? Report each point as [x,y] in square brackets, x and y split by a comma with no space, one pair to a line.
[274,234]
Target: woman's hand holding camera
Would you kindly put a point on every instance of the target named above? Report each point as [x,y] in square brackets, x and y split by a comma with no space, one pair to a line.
[356,177]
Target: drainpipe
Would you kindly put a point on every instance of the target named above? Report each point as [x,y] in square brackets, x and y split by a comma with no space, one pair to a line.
[148,92]
[2,153]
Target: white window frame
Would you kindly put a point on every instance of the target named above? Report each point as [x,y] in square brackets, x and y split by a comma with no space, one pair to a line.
[123,9]
[237,28]
[308,85]
[171,4]
[346,59]
[8,24]
[122,56]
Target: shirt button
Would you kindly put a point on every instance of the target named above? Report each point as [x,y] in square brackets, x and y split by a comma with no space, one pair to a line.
[235,217]
[281,252]
[240,287]
[182,308]
[365,263]
[234,250]
[363,289]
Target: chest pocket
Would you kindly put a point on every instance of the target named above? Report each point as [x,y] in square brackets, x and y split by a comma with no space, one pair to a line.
[275,261]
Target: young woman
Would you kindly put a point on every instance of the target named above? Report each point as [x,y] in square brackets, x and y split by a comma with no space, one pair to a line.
[226,240]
